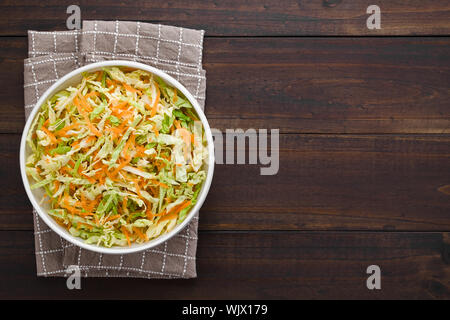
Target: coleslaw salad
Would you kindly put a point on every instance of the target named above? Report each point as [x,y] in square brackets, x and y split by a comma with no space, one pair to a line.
[123,156]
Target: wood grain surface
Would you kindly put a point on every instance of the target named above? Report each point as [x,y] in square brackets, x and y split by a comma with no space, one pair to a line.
[301,85]
[262,265]
[364,175]
[240,18]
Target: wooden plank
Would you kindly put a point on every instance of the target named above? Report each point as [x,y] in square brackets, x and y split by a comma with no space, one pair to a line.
[325,182]
[332,85]
[237,18]
[307,85]
[280,265]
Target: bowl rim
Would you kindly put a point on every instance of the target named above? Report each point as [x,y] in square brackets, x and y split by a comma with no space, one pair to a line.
[134,248]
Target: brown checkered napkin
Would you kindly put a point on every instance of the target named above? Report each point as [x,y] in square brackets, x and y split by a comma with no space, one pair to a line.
[177,51]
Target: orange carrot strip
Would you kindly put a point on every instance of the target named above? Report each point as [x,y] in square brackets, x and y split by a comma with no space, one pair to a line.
[131,89]
[140,234]
[113,218]
[182,206]
[50,135]
[84,103]
[175,95]
[92,93]
[155,131]
[149,214]
[127,69]
[174,212]
[168,216]
[90,179]
[124,204]
[120,167]
[121,105]
[63,131]
[165,186]
[127,145]
[99,75]
[138,189]
[140,151]
[93,129]
[125,232]
[155,104]
[110,83]
[85,224]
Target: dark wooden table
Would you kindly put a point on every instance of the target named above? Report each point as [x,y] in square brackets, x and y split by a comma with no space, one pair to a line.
[364,119]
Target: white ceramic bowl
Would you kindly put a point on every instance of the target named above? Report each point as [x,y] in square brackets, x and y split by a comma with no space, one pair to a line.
[73,78]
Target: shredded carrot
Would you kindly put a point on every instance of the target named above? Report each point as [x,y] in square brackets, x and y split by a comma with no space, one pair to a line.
[127,145]
[61,223]
[68,206]
[99,75]
[183,205]
[113,218]
[124,204]
[85,224]
[175,95]
[175,211]
[84,103]
[56,185]
[154,191]
[138,190]
[90,179]
[155,131]
[91,94]
[121,105]
[140,151]
[66,169]
[168,216]
[83,201]
[64,130]
[131,89]
[111,176]
[110,83]
[93,129]
[50,135]
[149,214]
[125,232]
[121,166]
[165,186]
[140,234]
[118,130]
[155,104]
